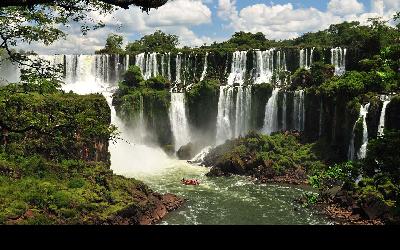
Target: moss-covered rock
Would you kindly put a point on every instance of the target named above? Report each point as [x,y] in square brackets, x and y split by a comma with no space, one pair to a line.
[55,164]
[393,114]
[202,103]
[264,157]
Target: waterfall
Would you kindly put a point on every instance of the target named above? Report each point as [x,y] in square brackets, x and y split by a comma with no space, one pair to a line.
[338,59]
[381,127]
[203,75]
[178,68]
[225,105]
[303,58]
[238,68]
[179,122]
[140,61]
[199,158]
[147,64]
[151,66]
[264,66]
[10,72]
[169,66]
[306,59]
[243,110]
[271,114]
[363,150]
[284,113]
[298,110]
[163,65]
[126,62]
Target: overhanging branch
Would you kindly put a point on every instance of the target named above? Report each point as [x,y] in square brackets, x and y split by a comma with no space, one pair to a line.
[145,4]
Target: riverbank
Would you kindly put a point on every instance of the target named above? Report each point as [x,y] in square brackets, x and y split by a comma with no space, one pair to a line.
[55,164]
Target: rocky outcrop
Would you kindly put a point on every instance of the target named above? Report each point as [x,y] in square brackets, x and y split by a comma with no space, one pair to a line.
[266,158]
[186,152]
[350,207]
[150,210]
[162,204]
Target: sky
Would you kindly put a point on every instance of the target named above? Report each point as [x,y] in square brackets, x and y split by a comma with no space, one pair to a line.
[199,22]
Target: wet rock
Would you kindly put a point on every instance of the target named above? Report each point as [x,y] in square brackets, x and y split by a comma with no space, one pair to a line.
[374,207]
[186,152]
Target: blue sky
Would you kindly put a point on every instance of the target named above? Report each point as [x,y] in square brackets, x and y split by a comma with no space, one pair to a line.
[203,21]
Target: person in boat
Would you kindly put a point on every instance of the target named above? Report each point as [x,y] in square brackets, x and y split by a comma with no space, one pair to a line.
[190,181]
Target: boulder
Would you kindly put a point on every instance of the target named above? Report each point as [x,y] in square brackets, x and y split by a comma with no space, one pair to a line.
[186,152]
[374,207]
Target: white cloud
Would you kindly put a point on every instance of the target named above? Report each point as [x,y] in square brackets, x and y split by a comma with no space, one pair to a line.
[282,21]
[176,17]
[345,7]
[227,9]
[275,21]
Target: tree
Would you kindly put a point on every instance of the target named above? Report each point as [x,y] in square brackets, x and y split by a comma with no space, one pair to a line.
[145,4]
[383,155]
[113,45]
[156,42]
[42,21]
[133,77]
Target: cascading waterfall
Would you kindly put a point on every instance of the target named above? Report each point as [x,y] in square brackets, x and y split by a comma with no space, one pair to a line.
[264,66]
[204,73]
[169,66]
[151,66]
[178,68]
[243,110]
[179,122]
[147,64]
[363,149]
[284,112]
[163,65]
[225,106]
[271,114]
[10,72]
[126,62]
[238,68]
[306,59]
[199,158]
[298,110]
[140,61]
[338,59]
[381,128]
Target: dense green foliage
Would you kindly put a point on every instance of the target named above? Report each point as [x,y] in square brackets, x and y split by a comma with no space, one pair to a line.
[54,161]
[55,125]
[202,99]
[36,191]
[263,156]
[113,45]
[156,42]
[151,97]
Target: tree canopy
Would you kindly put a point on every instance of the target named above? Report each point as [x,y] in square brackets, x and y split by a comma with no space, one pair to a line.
[156,42]
[43,21]
[113,45]
[145,4]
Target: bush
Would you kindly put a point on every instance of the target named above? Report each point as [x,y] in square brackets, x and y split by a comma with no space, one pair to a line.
[133,76]
[158,83]
[321,72]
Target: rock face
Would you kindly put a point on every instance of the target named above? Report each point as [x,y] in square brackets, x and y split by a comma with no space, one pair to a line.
[162,204]
[266,158]
[151,210]
[354,208]
[186,152]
